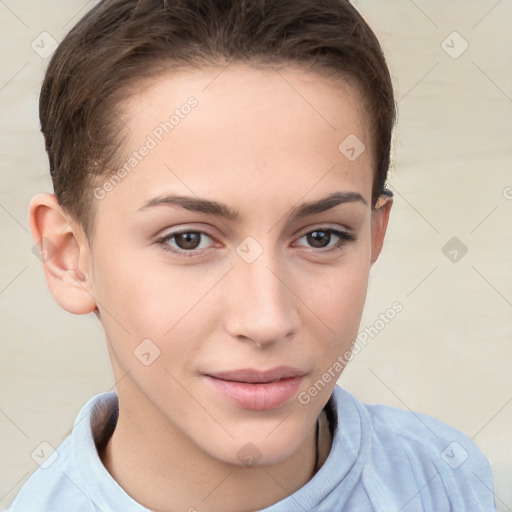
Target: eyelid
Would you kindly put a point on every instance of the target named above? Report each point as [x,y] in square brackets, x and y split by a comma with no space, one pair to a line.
[326,227]
[345,236]
[179,231]
[170,232]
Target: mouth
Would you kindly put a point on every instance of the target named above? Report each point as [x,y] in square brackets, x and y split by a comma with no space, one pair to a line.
[252,376]
[257,389]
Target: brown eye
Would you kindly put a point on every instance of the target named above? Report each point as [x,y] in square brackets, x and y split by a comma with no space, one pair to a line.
[185,243]
[321,239]
[188,241]
[318,239]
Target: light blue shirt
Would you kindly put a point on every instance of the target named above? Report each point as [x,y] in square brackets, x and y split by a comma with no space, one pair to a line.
[382,459]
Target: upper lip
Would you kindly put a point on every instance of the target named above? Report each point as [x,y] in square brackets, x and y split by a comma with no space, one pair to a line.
[261,376]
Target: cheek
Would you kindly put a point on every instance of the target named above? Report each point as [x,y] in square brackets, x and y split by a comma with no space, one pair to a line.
[339,304]
[142,293]
[144,298]
[336,298]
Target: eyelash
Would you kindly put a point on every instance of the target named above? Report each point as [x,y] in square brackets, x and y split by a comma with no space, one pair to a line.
[344,238]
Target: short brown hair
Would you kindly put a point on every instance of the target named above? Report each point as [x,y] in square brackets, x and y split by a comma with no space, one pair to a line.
[119,42]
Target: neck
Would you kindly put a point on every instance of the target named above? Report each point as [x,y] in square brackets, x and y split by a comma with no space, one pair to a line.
[165,471]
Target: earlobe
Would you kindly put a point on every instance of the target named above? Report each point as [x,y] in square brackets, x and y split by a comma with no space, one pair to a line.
[380,218]
[62,248]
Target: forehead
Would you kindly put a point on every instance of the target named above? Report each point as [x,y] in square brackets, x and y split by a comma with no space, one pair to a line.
[240,92]
[249,128]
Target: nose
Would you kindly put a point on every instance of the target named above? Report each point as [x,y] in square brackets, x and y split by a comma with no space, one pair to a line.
[262,307]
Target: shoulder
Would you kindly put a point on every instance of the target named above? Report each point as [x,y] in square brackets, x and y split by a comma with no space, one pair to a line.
[55,485]
[59,484]
[425,436]
[408,446]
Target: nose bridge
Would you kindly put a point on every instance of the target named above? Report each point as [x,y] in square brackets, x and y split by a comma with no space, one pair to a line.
[263,308]
[264,283]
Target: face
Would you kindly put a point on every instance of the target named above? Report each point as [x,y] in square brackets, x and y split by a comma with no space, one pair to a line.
[231,257]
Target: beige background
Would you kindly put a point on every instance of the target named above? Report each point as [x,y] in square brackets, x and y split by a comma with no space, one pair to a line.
[447,354]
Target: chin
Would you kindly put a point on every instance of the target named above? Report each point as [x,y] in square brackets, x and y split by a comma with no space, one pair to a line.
[258,446]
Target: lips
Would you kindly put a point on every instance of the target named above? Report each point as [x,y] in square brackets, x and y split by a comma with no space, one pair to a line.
[257,389]
[259,376]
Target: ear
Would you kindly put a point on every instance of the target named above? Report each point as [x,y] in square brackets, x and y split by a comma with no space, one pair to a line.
[380,218]
[65,254]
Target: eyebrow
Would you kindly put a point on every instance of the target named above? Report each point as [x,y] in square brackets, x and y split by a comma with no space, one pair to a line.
[215,208]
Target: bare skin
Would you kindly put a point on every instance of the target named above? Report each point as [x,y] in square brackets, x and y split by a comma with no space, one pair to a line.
[254,144]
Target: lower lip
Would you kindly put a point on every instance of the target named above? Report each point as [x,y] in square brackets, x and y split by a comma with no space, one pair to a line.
[259,396]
